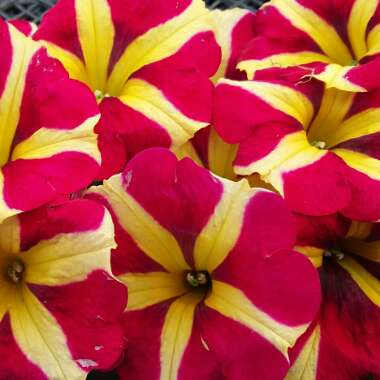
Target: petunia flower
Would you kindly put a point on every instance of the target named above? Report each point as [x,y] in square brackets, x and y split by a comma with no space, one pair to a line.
[318,147]
[344,341]
[213,283]
[338,40]
[60,304]
[233,31]
[47,143]
[148,65]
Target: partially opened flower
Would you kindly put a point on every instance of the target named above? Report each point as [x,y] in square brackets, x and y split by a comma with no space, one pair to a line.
[47,143]
[344,341]
[233,31]
[59,305]
[149,66]
[318,147]
[212,279]
[339,41]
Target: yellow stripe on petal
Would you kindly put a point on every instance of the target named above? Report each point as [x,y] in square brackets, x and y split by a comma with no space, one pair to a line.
[359,230]
[5,211]
[304,158]
[314,254]
[176,333]
[332,111]
[10,236]
[69,258]
[361,13]
[47,142]
[360,162]
[225,23]
[361,124]
[306,364]
[281,98]
[221,156]
[292,152]
[322,33]
[41,339]
[152,238]
[368,250]
[96,35]
[23,49]
[70,61]
[250,66]
[334,76]
[147,289]
[373,40]
[187,150]
[369,284]
[232,303]
[159,43]
[223,229]
[151,102]
[8,296]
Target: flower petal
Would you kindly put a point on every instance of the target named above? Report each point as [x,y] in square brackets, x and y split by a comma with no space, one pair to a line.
[39,143]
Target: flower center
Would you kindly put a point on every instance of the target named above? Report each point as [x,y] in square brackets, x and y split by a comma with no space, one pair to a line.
[100,95]
[319,144]
[334,254]
[198,279]
[15,270]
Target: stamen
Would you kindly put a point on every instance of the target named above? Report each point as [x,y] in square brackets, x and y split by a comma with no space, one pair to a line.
[100,95]
[319,144]
[198,279]
[334,253]
[15,271]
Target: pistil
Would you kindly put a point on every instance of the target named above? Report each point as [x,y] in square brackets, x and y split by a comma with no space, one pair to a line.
[197,279]
[15,271]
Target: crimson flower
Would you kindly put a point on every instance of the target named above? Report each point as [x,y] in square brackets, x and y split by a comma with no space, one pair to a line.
[149,67]
[337,40]
[214,286]
[343,342]
[318,147]
[47,142]
[60,304]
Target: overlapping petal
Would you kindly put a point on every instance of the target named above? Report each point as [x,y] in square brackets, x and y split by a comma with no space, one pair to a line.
[337,40]
[347,327]
[43,150]
[316,146]
[59,304]
[233,31]
[149,65]
[193,222]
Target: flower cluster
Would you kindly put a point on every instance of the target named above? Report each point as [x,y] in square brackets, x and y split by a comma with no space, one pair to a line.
[191,194]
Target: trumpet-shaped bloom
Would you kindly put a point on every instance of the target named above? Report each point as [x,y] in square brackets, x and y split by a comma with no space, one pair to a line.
[213,283]
[318,147]
[233,31]
[338,40]
[59,304]
[148,65]
[343,342]
[47,142]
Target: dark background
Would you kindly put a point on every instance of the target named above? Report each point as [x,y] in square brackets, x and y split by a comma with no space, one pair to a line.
[33,9]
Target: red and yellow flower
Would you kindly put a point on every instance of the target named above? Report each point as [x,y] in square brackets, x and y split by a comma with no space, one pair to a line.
[59,305]
[318,147]
[338,40]
[47,142]
[148,65]
[233,31]
[214,286]
[343,342]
